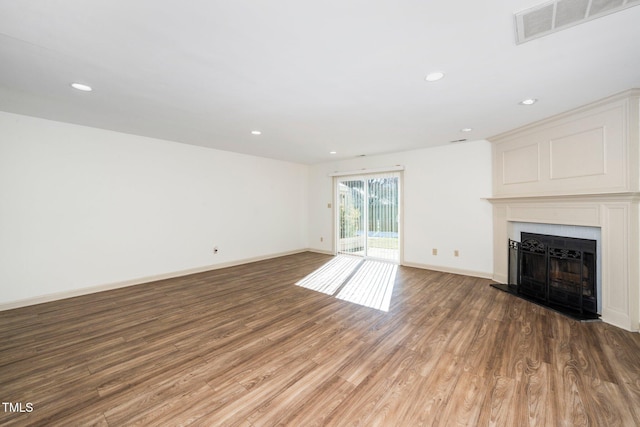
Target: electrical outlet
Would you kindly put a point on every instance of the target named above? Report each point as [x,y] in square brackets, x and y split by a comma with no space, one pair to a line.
[322,239]
[456,253]
[434,251]
[215,250]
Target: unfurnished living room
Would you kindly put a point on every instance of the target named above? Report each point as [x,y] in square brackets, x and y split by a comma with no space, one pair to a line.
[251,213]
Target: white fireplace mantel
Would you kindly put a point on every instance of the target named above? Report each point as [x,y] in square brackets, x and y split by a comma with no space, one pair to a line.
[617,216]
[580,168]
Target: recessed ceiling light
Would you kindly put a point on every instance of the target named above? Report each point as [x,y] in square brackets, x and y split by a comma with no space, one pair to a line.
[82,87]
[332,152]
[434,77]
[528,101]
[256,132]
[466,130]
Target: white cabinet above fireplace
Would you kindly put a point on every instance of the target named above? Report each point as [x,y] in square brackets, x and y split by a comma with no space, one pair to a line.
[589,150]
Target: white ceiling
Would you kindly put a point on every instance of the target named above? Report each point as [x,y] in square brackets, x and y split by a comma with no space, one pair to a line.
[313,76]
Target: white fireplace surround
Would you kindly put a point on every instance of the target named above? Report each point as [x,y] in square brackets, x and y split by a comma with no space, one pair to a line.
[617,217]
[581,168]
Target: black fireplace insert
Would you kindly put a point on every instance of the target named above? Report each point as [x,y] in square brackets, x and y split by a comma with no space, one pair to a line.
[555,271]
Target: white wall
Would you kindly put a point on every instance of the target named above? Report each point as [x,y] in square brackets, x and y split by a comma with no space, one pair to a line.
[83,207]
[444,208]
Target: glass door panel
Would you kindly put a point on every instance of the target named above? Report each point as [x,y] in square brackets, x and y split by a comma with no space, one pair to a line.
[351,217]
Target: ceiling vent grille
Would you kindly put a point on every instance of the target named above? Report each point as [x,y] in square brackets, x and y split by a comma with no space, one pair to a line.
[558,15]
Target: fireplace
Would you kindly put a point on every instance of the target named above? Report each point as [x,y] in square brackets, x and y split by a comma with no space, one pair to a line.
[555,271]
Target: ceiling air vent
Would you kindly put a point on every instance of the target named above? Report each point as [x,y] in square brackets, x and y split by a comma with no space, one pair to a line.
[558,15]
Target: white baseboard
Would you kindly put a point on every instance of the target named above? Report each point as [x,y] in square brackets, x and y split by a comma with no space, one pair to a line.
[320,251]
[472,273]
[138,281]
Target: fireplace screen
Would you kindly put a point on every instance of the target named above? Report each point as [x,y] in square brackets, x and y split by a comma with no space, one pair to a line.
[557,271]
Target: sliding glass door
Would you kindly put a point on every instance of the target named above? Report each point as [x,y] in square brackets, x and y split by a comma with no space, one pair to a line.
[368,215]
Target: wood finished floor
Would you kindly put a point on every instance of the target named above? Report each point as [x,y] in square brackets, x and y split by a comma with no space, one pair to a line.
[244,346]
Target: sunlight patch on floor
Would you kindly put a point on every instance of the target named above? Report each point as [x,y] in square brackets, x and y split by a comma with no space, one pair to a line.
[328,278]
[364,282]
[371,285]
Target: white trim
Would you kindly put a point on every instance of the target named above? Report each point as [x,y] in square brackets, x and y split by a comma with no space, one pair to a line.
[365,171]
[586,197]
[139,281]
[471,273]
[320,251]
